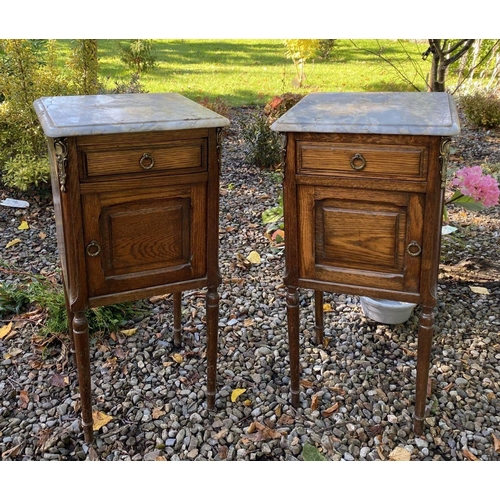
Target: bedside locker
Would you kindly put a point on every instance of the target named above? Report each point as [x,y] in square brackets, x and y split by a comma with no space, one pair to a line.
[135,183]
[363,203]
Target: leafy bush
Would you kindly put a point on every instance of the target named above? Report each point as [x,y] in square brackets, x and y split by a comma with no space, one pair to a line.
[262,145]
[39,291]
[325,48]
[27,72]
[482,107]
[218,105]
[138,55]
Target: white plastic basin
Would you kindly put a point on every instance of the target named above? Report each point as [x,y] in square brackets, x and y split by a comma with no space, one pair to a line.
[386,311]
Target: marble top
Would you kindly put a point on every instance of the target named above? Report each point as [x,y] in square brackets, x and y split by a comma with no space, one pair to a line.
[65,116]
[407,113]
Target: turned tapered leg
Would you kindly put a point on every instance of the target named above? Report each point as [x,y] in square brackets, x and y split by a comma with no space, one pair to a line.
[81,338]
[69,316]
[212,304]
[292,309]
[425,332]
[177,318]
[318,310]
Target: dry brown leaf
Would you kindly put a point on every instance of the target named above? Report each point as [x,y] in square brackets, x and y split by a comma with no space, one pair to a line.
[496,443]
[42,235]
[469,455]
[12,353]
[258,432]
[286,420]
[160,459]
[100,419]
[59,380]
[248,322]
[306,384]
[13,451]
[380,452]
[24,398]
[157,413]
[330,411]
[223,451]
[314,402]
[399,454]
[5,330]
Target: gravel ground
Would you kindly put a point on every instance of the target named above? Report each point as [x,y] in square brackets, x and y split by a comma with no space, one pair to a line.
[358,396]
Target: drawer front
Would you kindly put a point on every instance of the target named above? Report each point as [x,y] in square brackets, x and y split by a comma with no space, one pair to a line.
[151,158]
[387,161]
[144,239]
[360,237]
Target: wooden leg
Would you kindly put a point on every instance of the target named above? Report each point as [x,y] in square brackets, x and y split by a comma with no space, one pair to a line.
[425,332]
[318,309]
[292,308]
[177,318]
[69,317]
[81,338]
[212,304]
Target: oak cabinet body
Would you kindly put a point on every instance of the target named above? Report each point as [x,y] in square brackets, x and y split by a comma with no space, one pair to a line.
[135,182]
[363,200]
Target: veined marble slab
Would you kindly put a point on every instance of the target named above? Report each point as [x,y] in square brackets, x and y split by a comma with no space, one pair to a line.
[407,113]
[66,116]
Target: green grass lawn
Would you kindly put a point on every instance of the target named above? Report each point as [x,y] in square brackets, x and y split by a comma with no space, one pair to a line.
[250,72]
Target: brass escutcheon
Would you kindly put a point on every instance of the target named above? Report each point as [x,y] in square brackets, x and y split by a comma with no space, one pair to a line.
[96,246]
[146,157]
[358,162]
[416,246]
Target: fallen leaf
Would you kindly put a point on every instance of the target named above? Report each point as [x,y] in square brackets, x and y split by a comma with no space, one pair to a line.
[236,393]
[259,432]
[314,402]
[13,242]
[327,308]
[23,225]
[12,353]
[469,455]
[247,403]
[223,451]
[129,332]
[59,380]
[100,419]
[496,443]
[311,454]
[160,459]
[306,384]
[254,257]
[248,322]
[329,411]
[13,451]
[42,235]
[480,289]
[5,330]
[286,420]
[157,413]
[399,454]
[178,358]
[24,398]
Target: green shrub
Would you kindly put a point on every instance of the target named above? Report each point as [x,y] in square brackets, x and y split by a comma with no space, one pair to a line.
[482,108]
[25,171]
[262,145]
[138,55]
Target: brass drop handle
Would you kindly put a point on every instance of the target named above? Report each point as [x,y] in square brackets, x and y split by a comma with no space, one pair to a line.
[147,161]
[93,249]
[358,162]
[414,249]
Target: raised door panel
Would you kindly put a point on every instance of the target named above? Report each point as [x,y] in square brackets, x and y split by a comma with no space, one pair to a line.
[360,237]
[145,238]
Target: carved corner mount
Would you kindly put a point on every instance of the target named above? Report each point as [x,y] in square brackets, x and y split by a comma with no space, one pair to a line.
[61,152]
[444,152]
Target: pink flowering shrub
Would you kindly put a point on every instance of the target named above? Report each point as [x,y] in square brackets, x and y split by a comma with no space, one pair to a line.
[472,183]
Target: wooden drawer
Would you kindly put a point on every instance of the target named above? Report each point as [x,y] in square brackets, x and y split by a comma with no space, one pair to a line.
[181,156]
[387,161]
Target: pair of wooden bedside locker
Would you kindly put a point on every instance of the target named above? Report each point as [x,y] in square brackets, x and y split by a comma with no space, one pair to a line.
[135,183]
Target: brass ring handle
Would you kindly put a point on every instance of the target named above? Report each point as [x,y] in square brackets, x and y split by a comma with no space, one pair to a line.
[358,162]
[146,157]
[416,246]
[93,253]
